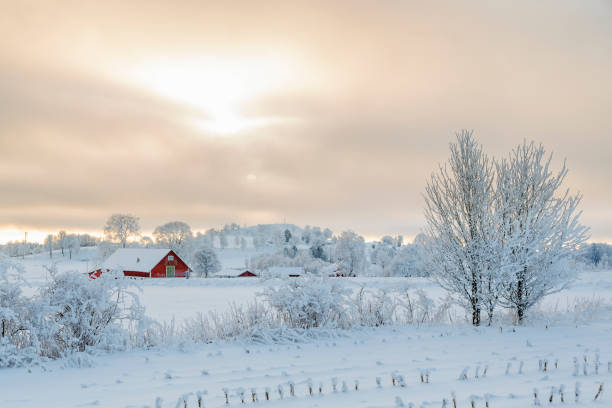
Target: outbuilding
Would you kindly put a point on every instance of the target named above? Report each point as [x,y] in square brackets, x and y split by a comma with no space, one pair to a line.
[144,263]
[247,274]
[285,271]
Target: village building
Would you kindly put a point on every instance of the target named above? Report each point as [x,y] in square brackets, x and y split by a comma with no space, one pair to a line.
[144,263]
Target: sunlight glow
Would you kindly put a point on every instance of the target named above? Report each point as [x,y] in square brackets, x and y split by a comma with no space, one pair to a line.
[38,236]
[217,87]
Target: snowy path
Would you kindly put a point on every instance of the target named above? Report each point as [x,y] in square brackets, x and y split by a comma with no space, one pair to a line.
[136,379]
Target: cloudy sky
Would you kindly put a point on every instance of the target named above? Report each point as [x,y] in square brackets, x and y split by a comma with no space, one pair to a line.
[321,113]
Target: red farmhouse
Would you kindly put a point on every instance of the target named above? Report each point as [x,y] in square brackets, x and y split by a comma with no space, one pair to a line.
[144,262]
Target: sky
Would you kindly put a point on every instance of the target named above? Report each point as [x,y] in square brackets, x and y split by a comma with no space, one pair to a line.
[314,113]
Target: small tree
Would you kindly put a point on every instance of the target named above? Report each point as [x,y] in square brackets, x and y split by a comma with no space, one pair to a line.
[223,240]
[119,227]
[49,241]
[540,227]
[205,262]
[350,253]
[62,241]
[73,245]
[459,223]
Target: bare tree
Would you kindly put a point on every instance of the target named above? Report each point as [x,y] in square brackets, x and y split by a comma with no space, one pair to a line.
[49,244]
[539,225]
[175,235]
[62,241]
[459,222]
[205,262]
[73,244]
[119,227]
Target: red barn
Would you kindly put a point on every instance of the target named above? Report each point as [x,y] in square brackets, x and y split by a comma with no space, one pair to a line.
[145,262]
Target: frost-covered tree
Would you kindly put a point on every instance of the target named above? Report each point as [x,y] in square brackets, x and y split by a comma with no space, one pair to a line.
[73,245]
[459,222]
[317,249]
[223,240]
[62,241]
[410,260]
[383,254]
[175,235]
[287,236]
[119,227]
[49,242]
[145,242]
[539,224]
[327,233]
[205,262]
[350,254]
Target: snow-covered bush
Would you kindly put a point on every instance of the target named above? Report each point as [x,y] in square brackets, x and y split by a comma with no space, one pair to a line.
[373,309]
[310,302]
[72,313]
[16,345]
[86,312]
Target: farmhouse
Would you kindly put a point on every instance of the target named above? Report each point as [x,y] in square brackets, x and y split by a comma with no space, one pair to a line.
[145,262]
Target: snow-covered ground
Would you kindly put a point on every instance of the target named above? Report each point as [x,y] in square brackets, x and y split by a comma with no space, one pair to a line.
[136,379]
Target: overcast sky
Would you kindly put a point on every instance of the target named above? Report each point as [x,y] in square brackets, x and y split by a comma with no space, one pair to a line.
[332,113]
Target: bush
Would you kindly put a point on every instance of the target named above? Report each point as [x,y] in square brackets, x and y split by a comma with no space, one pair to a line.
[86,312]
[310,302]
[73,313]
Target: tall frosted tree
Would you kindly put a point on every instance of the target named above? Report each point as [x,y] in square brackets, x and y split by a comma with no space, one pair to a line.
[459,223]
[119,227]
[539,224]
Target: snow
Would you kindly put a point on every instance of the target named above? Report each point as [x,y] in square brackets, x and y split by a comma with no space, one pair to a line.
[137,378]
[284,271]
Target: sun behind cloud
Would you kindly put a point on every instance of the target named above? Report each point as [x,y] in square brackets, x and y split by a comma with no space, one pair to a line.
[217,87]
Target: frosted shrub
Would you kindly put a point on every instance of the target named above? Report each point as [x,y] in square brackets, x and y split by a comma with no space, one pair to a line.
[373,309]
[85,312]
[16,345]
[254,321]
[71,314]
[418,309]
[310,302]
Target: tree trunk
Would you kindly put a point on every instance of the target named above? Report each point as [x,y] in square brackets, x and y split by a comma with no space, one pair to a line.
[475,301]
[520,307]
[475,315]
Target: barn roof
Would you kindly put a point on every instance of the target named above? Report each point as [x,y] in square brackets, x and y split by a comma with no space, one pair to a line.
[135,259]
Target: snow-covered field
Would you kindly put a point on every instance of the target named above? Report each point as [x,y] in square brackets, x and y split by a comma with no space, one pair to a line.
[136,379]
